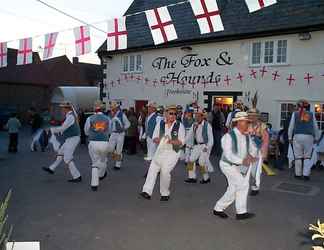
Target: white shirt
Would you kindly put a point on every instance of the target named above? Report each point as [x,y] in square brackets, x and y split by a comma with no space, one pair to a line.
[241,147]
[292,127]
[68,122]
[116,119]
[199,136]
[181,132]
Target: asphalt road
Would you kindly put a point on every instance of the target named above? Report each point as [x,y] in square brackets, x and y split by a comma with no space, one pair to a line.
[66,216]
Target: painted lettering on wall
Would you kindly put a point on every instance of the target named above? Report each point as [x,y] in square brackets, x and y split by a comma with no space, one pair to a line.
[191,61]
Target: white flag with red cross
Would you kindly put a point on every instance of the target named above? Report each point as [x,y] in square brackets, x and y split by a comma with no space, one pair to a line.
[3,55]
[161,25]
[117,34]
[82,40]
[255,5]
[207,15]
[50,41]
[25,52]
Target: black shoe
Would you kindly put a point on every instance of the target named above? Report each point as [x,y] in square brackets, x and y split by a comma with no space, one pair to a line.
[116,168]
[306,178]
[103,177]
[94,188]
[220,214]
[298,177]
[79,179]
[48,170]
[244,216]
[145,195]
[191,180]
[164,198]
[205,181]
[254,192]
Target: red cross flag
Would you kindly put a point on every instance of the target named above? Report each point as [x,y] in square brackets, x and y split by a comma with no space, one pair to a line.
[82,40]
[3,55]
[25,52]
[161,25]
[117,34]
[207,15]
[50,40]
[255,5]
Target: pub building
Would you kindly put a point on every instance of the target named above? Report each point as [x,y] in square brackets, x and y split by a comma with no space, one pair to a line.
[277,51]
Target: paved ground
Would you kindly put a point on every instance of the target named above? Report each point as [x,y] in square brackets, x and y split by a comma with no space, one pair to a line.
[65,216]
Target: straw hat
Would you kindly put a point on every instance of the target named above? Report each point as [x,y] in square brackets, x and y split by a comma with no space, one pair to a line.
[169,107]
[241,116]
[114,105]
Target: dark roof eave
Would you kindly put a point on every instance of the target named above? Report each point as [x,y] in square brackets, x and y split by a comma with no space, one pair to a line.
[286,31]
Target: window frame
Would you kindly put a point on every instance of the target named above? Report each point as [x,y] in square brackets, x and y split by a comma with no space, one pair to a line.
[275,53]
[136,65]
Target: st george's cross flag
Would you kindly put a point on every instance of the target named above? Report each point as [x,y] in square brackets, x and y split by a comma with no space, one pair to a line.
[82,40]
[207,15]
[25,52]
[50,41]
[117,34]
[161,25]
[255,5]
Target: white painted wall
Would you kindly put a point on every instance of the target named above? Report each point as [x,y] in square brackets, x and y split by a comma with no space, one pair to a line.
[303,56]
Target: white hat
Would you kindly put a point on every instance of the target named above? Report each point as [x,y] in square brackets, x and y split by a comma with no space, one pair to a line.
[241,116]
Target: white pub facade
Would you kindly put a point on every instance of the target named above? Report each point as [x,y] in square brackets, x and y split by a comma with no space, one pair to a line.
[283,66]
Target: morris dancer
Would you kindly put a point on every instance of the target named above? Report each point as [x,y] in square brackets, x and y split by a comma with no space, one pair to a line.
[303,133]
[97,129]
[119,124]
[71,133]
[170,135]
[201,134]
[239,153]
[187,121]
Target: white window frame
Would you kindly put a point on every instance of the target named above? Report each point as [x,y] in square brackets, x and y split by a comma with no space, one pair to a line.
[275,51]
[135,63]
[284,102]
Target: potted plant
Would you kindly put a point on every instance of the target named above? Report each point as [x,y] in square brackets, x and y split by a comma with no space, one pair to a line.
[5,231]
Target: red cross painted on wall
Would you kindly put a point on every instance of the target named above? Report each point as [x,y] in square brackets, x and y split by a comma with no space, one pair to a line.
[117,33]
[3,54]
[50,45]
[253,74]
[291,79]
[160,25]
[25,51]
[83,40]
[155,82]
[240,77]
[308,77]
[207,15]
[261,3]
[263,71]
[275,75]
[227,80]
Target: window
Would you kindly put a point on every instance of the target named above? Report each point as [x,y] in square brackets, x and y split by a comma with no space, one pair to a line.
[273,52]
[319,115]
[256,53]
[132,63]
[286,110]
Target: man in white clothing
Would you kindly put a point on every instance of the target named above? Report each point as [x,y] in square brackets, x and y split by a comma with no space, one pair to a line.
[303,133]
[239,152]
[119,124]
[237,107]
[71,132]
[170,135]
[97,130]
[203,140]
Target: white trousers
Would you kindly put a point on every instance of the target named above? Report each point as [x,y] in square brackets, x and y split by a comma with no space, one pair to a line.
[162,163]
[237,190]
[303,147]
[203,159]
[116,141]
[256,172]
[65,153]
[98,151]
[151,148]
[35,138]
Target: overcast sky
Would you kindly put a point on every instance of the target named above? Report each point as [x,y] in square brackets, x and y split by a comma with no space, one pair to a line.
[29,18]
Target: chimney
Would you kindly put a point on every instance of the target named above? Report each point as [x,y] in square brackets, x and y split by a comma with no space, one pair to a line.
[75,60]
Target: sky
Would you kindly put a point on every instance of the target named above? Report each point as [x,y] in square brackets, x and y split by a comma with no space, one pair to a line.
[29,18]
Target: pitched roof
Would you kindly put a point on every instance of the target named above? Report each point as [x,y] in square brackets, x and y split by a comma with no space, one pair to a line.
[51,72]
[287,16]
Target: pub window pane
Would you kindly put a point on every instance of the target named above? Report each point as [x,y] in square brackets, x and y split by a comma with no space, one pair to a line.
[268,52]
[138,63]
[125,62]
[132,63]
[256,53]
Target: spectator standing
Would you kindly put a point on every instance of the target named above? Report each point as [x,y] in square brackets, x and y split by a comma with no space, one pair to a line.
[13,125]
